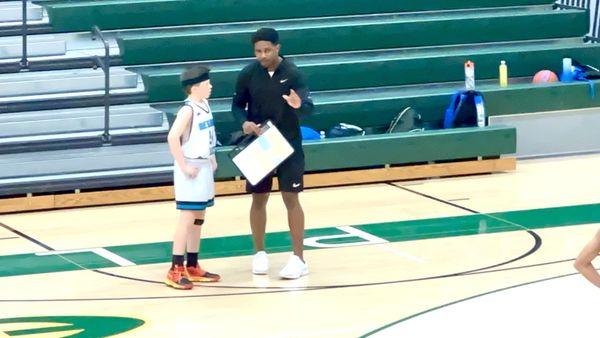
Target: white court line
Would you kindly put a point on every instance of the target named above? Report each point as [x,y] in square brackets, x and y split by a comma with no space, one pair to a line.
[111,256]
[402,254]
[376,240]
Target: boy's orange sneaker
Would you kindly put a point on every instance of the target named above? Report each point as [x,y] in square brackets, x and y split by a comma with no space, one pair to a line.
[196,274]
[176,278]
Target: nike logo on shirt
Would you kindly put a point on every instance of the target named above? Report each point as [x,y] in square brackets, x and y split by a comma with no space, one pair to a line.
[283,81]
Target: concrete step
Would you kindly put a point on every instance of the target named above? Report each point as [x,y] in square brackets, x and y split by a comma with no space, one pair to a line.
[11,11]
[61,121]
[63,81]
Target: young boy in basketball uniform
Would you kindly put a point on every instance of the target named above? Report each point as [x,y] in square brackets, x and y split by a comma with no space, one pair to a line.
[192,142]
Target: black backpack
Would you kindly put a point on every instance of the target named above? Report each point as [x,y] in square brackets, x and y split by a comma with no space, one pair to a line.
[587,73]
[344,130]
[584,72]
[407,120]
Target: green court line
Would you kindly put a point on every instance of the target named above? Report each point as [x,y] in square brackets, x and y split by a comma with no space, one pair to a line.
[231,246]
[91,326]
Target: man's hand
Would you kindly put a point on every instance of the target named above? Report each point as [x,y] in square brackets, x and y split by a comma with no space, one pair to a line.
[293,99]
[251,128]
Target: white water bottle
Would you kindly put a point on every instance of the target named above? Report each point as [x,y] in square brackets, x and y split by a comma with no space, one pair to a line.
[322,134]
[469,75]
[479,107]
[567,71]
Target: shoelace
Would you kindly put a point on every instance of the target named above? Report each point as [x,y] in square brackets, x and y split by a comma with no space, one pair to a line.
[177,274]
[195,270]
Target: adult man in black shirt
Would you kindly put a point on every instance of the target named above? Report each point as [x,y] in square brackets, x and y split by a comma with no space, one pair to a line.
[272,88]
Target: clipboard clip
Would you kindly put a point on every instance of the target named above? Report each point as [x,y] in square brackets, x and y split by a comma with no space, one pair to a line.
[246,140]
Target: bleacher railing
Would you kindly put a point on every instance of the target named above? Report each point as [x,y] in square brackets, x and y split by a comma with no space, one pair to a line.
[24,62]
[593,6]
[104,63]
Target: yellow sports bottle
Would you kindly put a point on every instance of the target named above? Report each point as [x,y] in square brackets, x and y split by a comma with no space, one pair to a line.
[503,70]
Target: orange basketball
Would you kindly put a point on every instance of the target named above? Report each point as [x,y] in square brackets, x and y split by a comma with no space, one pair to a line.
[544,76]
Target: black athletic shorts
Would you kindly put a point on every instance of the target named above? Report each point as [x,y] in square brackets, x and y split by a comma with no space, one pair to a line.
[289,173]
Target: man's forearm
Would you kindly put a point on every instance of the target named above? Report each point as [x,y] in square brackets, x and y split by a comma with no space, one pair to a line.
[306,108]
[239,114]
[240,101]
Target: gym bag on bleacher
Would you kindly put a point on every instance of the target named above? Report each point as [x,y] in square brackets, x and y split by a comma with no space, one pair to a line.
[466,109]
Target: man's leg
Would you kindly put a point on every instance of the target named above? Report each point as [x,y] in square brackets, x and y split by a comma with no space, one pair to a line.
[291,183]
[258,219]
[258,223]
[296,267]
[295,221]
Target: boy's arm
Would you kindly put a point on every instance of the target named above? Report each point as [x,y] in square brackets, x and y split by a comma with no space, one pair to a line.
[180,126]
[583,263]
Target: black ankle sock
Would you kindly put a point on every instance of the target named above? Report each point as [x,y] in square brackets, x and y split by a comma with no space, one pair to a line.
[192,259]
[177,260]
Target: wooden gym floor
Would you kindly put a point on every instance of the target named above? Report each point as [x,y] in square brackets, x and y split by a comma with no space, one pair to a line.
[484,255]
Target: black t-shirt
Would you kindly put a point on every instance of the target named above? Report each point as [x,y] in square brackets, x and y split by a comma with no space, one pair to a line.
[258,97]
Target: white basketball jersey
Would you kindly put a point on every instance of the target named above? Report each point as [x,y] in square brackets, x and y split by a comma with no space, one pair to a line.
[202,139]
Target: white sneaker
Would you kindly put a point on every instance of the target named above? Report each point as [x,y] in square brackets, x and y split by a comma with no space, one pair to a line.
[260,263]
[295,268]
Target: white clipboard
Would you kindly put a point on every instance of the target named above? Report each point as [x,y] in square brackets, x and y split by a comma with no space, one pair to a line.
[261,156]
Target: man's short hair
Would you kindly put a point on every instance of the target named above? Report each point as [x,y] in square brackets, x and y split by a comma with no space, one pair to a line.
[265,34]
[193,75]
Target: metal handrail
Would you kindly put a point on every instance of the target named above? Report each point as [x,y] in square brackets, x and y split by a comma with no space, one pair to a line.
[593,35]
[105,65]
[24,62]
